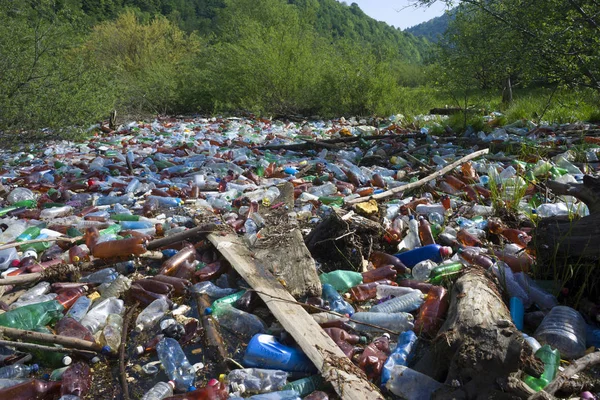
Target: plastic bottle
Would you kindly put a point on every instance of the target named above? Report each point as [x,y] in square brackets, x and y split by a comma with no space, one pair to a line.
[367,291]
[411,241]
[551,359]
[6,383]
[426,209]
[169,267]
[160,391]
[105,275]
[30,233]
[68,297]
[6,257]
[425,234]
[433,252]
[305,386]
[395,291]
[239,322]
[17,371]
[422,270]
[95,319]
[76,380]
[256,380]
[509,282]
[32,316]
[432,312]
[80,308]
[563,328]
[31,389]
[386,272]
[342,280]
[474,258]
[543,299]
[111,333]
[264,351]
[120,248]
[410,384]
[151,314]
[371,360]
[212,290]
[400,355]
[279,395]
[336,302]
[35,300]
[69,327]
[398,322]
[405,303]
[345,340]
[176,364]
[116,288]
[40,289]
[442,271]
[517,312]
[380,259]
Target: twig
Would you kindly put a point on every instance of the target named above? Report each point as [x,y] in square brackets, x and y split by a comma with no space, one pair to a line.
[337,238]
[24,345]
[575,367]
[420,182]
[53,339]
[212,337]
[122,372]
[50,239]
[198,231]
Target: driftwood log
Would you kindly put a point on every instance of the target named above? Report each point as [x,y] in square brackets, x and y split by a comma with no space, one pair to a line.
[477,346]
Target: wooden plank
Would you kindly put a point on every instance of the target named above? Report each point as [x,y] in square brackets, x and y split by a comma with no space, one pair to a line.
[347,379]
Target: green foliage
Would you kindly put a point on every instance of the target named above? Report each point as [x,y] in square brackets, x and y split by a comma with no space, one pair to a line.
[434,29]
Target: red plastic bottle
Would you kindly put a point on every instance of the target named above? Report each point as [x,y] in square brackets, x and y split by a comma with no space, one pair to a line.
[372,359]
[214,390]
[67,297]
[432,312]
[71,328]
[76,380]
[367,291]
[33,389]
[387,272]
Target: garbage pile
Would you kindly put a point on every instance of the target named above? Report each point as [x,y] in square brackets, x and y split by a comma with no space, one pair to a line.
[112,285]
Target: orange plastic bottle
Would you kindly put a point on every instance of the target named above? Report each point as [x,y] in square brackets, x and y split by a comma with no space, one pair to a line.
[120,248]
[432,312]
[468,239]
[387,272]
[372,359]
[380,259]
[425,232]
[366,291]
[67,297]
[345,340]
[170,266]
[32,389]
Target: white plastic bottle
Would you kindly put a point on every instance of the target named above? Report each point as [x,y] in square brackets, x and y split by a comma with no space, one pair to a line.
[96,317]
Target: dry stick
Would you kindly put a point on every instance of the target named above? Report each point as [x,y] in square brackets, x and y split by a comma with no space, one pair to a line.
[122,373]
[420,182]
[212,337]
[53,339]
[577,366]
[34,346]
[53,239]
[181,236]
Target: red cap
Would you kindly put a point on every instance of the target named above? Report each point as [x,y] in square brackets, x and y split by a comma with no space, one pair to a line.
[445,251]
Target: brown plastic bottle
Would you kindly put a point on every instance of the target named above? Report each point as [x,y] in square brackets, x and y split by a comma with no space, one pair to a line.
[432,312]
[120,248]
[380,259]
[145,297]
[214,390]
[68,326]
[372,359]
[353,178]
[455,182]
[367,291]
[76,380]
[468,171]
[425,232]
[345,341]
[495,226]
[422,286]
[468,239]
[170,266]
[447,188]
[211,271]
[30,390]
[387,272]
[517,263]
[155,286]
[67,297]
[483,192]
[338,323]
[412,205]
[77,254]
[516,236]
[91,237]
[474,258]
[377,181]
[471,193]
[150,206]
[179,285]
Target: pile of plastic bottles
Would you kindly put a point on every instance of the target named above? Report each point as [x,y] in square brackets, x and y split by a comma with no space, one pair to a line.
[97,205]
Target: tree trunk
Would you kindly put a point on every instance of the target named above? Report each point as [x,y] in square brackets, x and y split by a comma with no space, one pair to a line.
[507,95]
[478,346]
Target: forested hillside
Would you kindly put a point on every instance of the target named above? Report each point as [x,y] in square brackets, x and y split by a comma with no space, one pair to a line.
[434,29]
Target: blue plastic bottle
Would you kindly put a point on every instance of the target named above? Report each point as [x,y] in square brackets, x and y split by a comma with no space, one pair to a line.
[400,355]
[264,351]
[336,301]
[517,312]
[433,252]
[176,364]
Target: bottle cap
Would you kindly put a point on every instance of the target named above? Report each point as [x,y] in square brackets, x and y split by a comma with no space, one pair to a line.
[67,360]
[208,311]
[105,349]
[95,360]
[411,217]
[362,340]
[171,383]
[191,388]
[46,377]
[139,350]
[139,327]
[34,367]
[445,251]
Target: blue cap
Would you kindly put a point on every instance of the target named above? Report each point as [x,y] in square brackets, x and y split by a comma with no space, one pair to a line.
[105,349]
[411,217]
[169,252]
[208,311]
[34,367]
[191,388]
[46,377]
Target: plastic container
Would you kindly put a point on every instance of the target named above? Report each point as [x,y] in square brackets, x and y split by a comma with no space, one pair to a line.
[6,257]
[238,321]
[95,319]
[151,314]
[405,303]
[31,389]
[264,351]
[433,252]
[543,299]
[76,380]
[410,384]
[395,291]
[399,356]
[422,270]
[563,328]
[342,280]
[551,359]
[32,316]
[256,380]
[336,302]
[432,312]
[398,322]
[177,367]
[160,391]
[17,371]
[517,312]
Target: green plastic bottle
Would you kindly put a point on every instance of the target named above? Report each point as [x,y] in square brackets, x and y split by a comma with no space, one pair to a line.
[26,203]
[306,386]
[6,210]
[336,201]
[441,272]
[227,300]
[125,217]
[32,316]
[551,359]
[28,234]
[116,228]
[342,280]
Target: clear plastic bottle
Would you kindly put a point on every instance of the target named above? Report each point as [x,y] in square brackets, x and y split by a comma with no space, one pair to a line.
[411,241]
[7,256]
[116,287]
[80,308]
[176,364]
[543,299]
[256,380]
[336,302]
[422,270]
[34,300]
[40,289]
[563,328]
[212,290]
[279,395]
[160,391]
[95,319]
[105,275]
[398,322]
[410,384]
[552,210]
[405,303]
[240,322]
[151,314]
[508,281]
[111,333]
[399,356]
[17,371]
[6,383]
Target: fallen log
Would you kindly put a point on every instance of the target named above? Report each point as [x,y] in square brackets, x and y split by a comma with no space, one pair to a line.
[194,233]
[53,339]
[347,379]
[477,346]
[420,182]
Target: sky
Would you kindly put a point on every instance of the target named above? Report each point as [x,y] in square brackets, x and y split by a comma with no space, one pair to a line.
[399,13]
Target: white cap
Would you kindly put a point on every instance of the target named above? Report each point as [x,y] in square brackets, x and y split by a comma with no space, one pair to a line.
[139,350]
[139,328]
[67,360]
